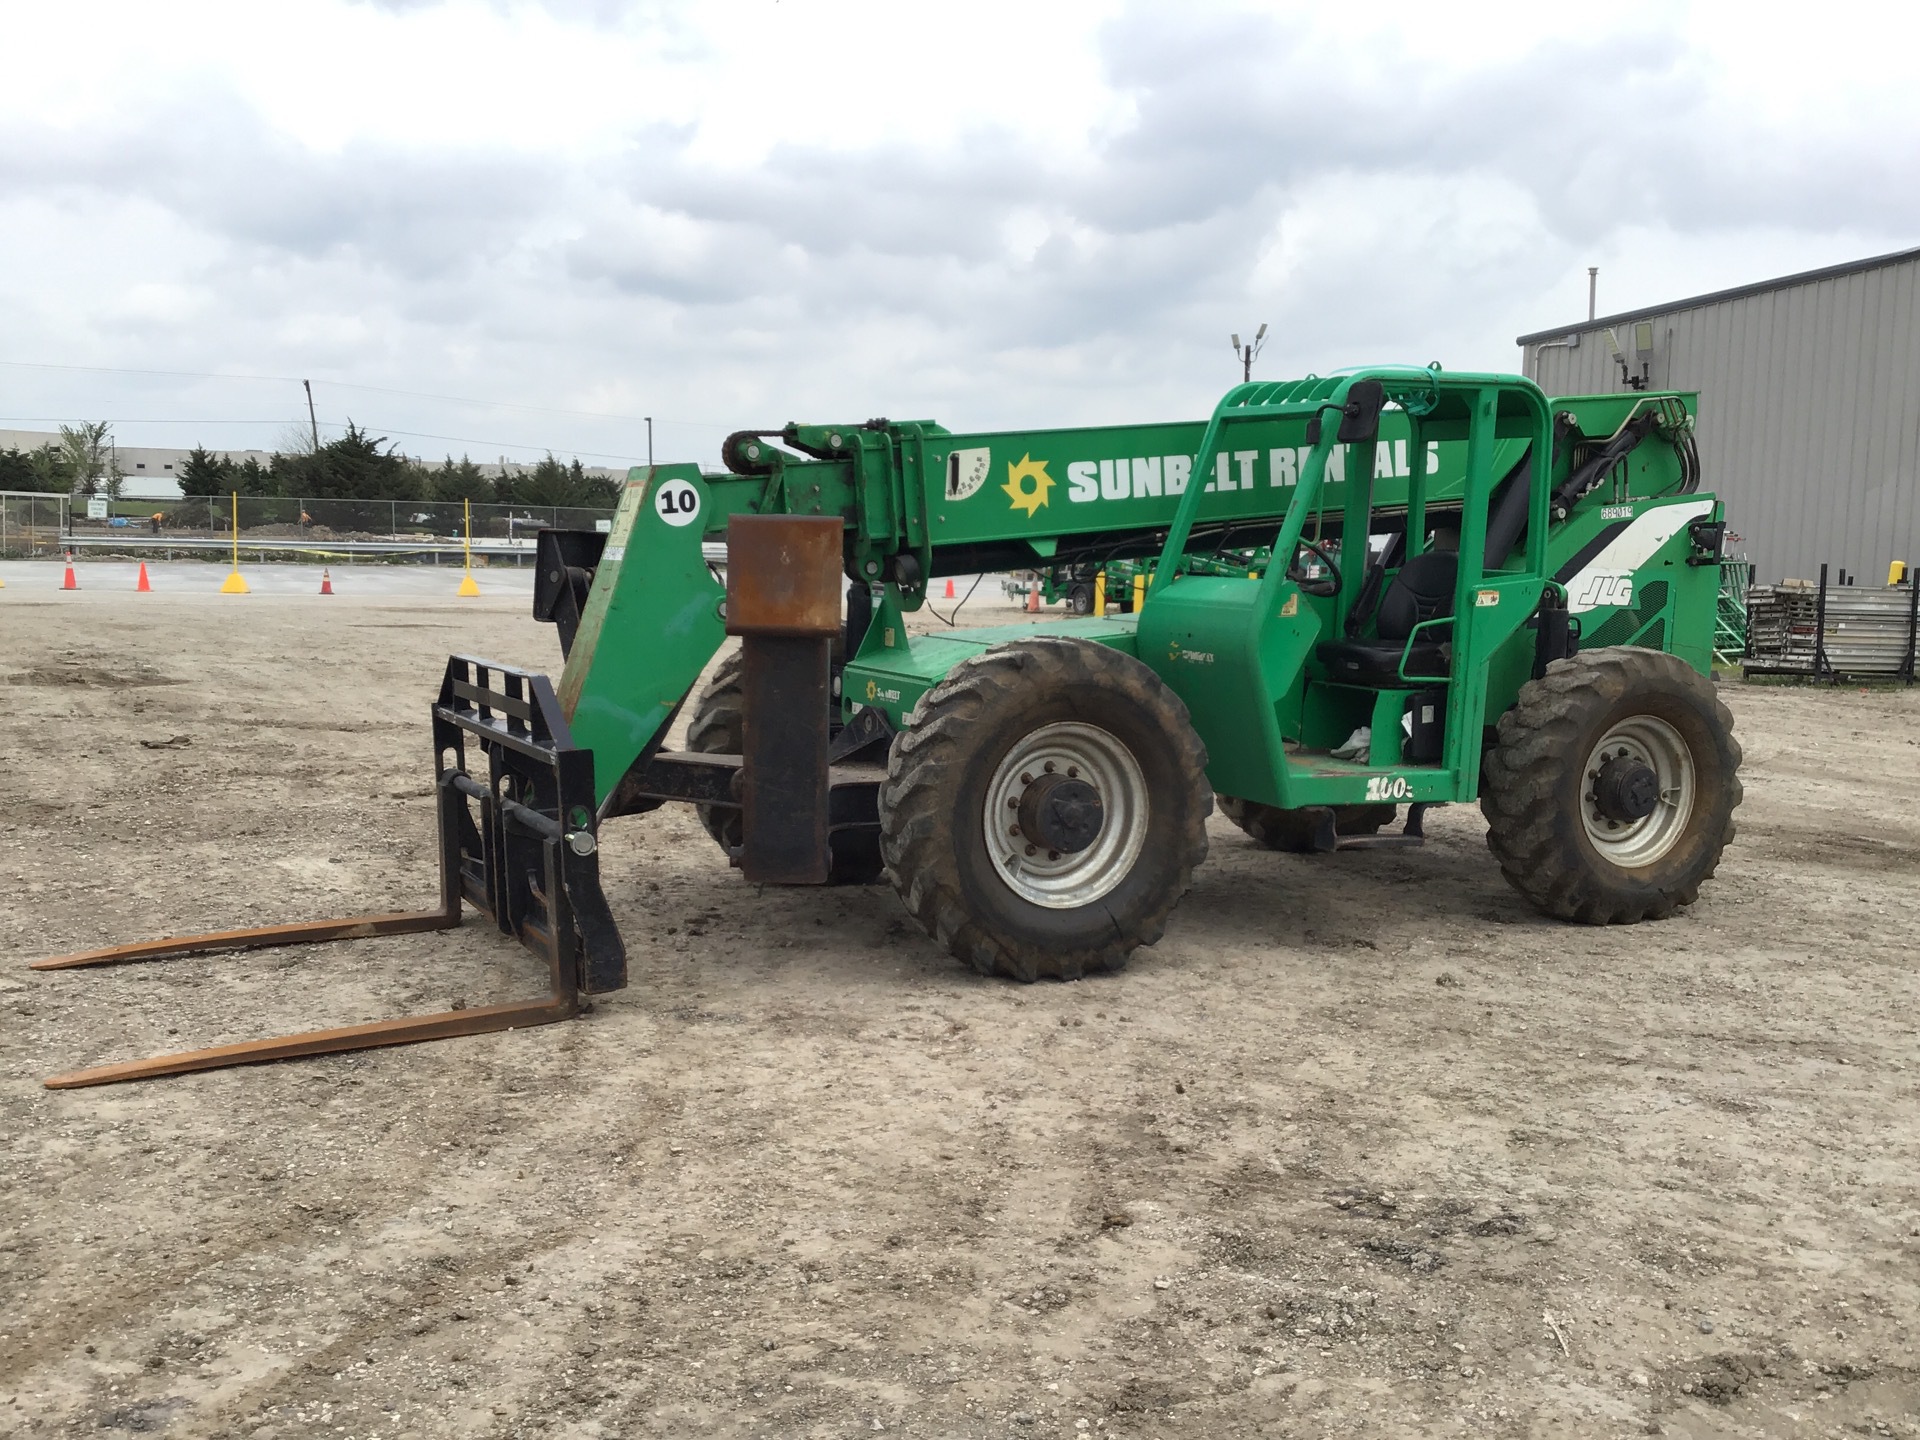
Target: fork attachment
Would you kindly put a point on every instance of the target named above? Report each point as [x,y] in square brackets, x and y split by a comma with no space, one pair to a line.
[520,846]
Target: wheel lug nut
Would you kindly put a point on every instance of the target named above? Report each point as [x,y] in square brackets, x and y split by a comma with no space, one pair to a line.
[1025,779]
[1013,830]
[1073,772]
[1013,802]
[1049,767]
[1053,854]
[1032,848]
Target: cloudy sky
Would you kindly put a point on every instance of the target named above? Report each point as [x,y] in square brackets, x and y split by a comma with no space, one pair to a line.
[501,228]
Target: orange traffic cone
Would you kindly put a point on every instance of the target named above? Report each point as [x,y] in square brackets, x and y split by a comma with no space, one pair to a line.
[326,582]
[70,583]
[1033,598]
[143,585]
[949,589]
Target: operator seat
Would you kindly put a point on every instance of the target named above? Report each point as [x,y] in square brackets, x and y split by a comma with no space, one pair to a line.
[1423,590]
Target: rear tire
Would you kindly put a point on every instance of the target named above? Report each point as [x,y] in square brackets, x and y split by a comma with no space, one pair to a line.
[717,729]
[975,747]
[1080,599]
[1547,818]
[1299,831]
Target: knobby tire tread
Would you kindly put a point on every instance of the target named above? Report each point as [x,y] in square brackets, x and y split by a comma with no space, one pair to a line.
[926,786]
[1539,839]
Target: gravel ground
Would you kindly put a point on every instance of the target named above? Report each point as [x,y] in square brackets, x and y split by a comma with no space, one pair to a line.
[1363,1147]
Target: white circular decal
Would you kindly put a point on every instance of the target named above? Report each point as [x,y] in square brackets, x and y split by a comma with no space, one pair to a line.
[678,502]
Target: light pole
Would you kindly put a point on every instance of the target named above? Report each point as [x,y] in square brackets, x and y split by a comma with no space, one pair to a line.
[1249,350]
[649,442]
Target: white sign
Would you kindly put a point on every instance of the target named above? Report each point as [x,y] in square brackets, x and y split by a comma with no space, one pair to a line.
[678,503]
[96,508]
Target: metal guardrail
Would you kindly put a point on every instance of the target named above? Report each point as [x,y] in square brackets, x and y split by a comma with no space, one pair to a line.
[35,524]
[1833,632]
[128,541]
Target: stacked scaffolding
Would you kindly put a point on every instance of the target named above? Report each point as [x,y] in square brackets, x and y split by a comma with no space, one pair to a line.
[1730,619]
[1832,632]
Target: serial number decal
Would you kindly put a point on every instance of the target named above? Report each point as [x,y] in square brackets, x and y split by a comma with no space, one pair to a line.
[1388,787]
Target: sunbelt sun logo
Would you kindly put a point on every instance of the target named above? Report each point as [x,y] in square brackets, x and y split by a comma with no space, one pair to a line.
[1029,483]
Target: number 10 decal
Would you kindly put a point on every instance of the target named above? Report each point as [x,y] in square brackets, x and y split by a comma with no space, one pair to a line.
[678,502]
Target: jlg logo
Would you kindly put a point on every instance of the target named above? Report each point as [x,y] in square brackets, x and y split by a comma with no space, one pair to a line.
[1605,590]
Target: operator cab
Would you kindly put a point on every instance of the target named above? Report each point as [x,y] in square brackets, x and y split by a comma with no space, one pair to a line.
[1420,591]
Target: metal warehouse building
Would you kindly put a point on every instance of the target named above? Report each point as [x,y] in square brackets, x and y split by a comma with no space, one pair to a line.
[1809,406]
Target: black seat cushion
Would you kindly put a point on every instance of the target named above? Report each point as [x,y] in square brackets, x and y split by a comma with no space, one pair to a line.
[1423,590]
[1377,662]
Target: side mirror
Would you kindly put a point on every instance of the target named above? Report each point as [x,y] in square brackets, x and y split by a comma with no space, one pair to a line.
[1359,417]
[1360,420]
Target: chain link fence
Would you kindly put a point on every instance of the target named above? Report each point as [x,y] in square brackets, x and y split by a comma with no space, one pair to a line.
[31,524]
[42,525]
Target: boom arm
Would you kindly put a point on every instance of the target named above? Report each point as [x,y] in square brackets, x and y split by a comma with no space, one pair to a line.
[918,502]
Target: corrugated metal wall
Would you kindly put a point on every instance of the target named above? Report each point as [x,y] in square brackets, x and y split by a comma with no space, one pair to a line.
[1809,411]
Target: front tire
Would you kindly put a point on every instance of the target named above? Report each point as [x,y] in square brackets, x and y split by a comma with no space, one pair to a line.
[1610,795]
[1045,808]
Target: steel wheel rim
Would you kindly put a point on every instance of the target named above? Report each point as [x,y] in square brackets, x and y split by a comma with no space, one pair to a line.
[1052,879]
[1635,844]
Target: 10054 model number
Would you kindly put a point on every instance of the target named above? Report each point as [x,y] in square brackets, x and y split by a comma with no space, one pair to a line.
[1388,787]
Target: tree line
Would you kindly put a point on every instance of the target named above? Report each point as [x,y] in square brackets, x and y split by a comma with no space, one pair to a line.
[80,464]
[357,466]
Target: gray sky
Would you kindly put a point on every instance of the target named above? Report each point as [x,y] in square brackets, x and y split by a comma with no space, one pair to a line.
[731,215]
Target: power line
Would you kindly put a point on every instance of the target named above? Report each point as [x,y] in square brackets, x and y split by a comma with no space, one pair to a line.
[507,444]
[338,385]
[334,425]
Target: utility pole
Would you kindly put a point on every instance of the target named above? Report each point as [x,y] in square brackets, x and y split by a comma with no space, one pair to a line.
[310,417]
[1593,291]
[649,442]
[1249,350]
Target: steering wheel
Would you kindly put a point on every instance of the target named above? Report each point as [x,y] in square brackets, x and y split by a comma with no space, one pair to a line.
[1327,585]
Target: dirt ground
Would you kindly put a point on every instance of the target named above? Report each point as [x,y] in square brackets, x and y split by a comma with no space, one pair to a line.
[1363,1147]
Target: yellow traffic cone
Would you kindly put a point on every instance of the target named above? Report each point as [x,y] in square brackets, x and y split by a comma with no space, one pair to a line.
[467,587]
[234,585]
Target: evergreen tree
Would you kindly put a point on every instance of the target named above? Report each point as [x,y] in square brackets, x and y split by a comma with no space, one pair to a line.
[42,471]
[354,467]
[552,483]
[464,481]
[253,478]
[52,470]
[206,473]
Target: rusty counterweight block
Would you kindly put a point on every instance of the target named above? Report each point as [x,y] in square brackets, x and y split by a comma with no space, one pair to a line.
[783,601]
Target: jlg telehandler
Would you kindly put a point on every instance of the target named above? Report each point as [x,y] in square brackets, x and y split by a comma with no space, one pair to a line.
[1485,594]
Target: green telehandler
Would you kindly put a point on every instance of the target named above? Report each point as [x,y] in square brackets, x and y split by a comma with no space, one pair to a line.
[1474,593]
